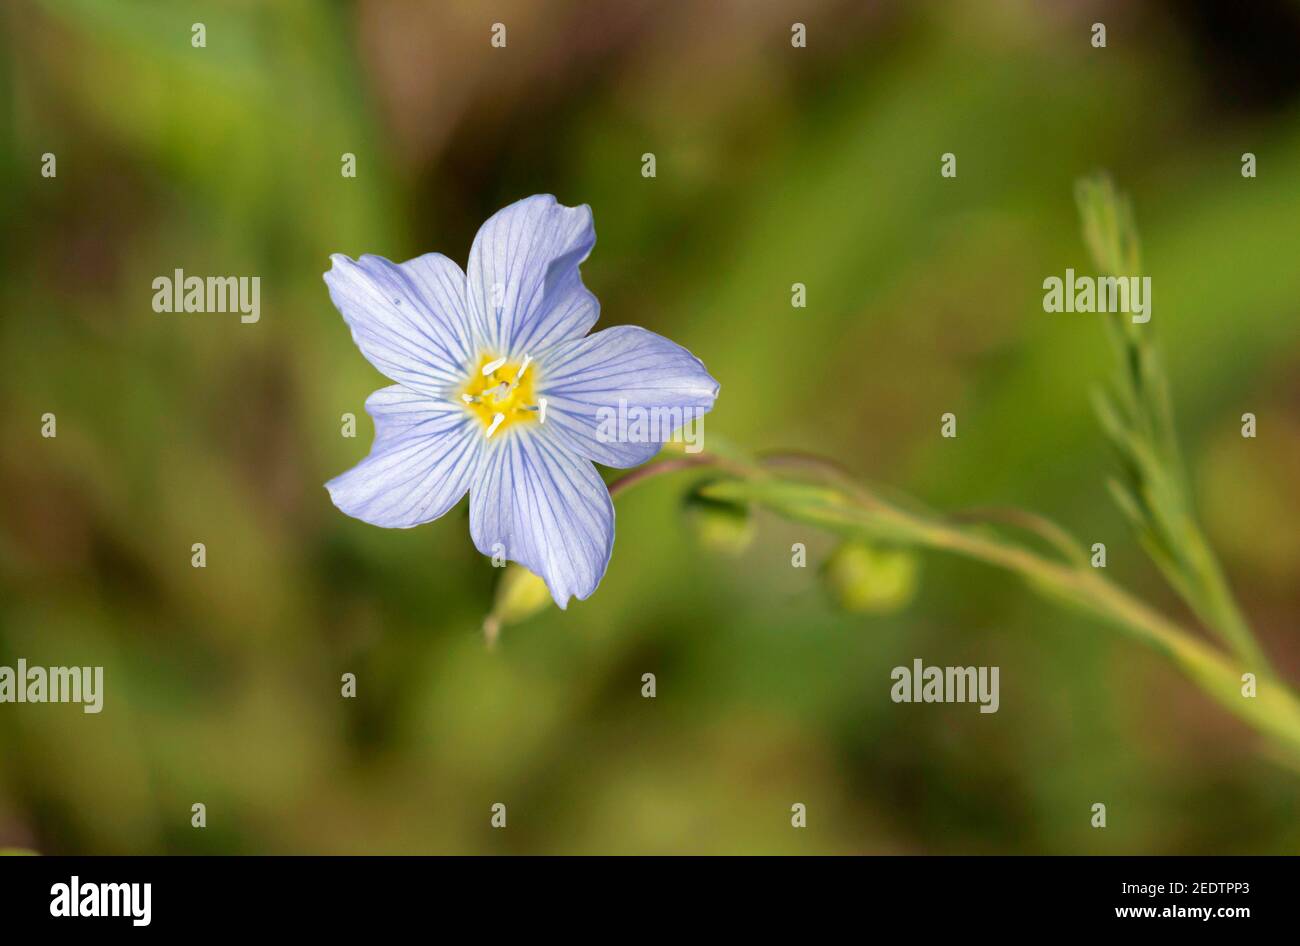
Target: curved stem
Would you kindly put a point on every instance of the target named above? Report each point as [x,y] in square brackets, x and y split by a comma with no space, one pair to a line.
[651,470]
[1044,528]
[847,508]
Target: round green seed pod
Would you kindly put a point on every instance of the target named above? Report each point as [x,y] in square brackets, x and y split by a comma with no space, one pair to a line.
[719,526]
[520,594]
[866,580]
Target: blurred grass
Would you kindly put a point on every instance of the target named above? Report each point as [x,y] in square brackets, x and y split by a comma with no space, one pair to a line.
[774,166]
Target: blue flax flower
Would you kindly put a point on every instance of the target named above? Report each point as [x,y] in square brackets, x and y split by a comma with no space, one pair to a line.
[501,392]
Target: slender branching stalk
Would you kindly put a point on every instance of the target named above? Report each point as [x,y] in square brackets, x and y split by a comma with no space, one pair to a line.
[1137,416]
[853,512]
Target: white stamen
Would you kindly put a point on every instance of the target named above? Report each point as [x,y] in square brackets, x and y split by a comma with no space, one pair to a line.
[523,367]
[541,418]
[468,399]
[492,366]
[496,422]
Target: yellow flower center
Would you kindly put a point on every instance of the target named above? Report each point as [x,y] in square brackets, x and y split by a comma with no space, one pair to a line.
[500,394]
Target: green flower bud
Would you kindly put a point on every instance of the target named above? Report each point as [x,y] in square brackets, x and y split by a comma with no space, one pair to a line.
[520,594]
[719,525]
[866,580]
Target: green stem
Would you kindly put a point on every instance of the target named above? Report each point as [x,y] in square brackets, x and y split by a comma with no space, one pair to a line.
[1217,606]
[846,508]
[1137,416]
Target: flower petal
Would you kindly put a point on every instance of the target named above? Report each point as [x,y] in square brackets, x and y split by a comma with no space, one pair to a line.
[546,509]
[422,461]
[621,372]
[410,320]
[524,287]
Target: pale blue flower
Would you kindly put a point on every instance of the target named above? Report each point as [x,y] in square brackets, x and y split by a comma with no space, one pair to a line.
[500,392]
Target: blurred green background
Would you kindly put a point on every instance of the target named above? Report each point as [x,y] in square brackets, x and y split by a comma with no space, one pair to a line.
[775,165]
